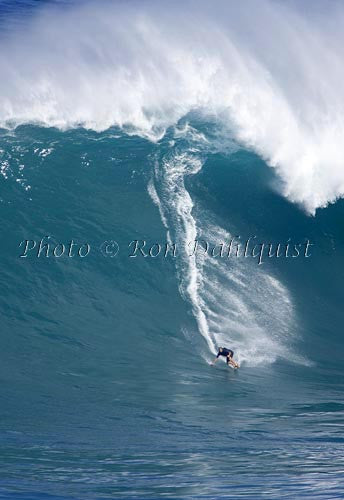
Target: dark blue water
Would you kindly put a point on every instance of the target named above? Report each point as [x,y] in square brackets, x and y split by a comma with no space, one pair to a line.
[106,388]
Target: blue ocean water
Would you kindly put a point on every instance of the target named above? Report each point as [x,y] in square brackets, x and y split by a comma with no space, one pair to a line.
[106,388]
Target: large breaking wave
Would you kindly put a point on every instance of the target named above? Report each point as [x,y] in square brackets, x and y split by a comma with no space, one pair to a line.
[266,74]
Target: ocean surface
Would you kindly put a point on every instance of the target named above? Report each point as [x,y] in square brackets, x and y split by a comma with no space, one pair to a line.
[138,141]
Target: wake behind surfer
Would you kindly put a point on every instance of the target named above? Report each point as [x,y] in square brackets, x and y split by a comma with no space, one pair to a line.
[228,354]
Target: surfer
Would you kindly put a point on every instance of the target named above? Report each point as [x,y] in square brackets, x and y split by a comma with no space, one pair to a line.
[227,353]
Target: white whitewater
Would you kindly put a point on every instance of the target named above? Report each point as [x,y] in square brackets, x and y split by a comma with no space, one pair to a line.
[271,72]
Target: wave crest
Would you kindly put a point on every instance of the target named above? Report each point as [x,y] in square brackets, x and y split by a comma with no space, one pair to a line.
[269,75]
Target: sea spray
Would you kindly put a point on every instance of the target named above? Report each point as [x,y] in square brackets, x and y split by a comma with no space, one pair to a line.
[145,66]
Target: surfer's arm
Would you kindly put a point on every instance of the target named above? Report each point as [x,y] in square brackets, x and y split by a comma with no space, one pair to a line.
[213,363]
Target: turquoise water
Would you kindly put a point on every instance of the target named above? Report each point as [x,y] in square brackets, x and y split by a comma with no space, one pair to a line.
[106,388]
[105,391]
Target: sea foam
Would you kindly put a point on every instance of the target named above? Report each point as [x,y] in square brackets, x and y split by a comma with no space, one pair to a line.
[268,72]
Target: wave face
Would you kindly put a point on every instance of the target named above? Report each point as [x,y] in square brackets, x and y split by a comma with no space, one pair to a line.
[105,381]
[270,72]
[160,122]
[240,298]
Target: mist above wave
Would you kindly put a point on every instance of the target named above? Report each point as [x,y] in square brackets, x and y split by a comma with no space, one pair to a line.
[269,73]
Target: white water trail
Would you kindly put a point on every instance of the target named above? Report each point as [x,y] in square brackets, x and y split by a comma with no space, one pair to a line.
[235,303]
[176,208]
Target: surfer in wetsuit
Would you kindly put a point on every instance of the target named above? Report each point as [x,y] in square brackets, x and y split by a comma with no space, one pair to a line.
[227,353]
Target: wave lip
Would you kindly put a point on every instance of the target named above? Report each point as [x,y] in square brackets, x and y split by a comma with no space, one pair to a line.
[270,75]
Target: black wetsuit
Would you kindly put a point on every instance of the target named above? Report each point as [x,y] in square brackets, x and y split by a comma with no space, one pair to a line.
[227,353]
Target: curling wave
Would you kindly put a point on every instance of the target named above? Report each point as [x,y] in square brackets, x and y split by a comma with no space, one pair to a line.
[271,77]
